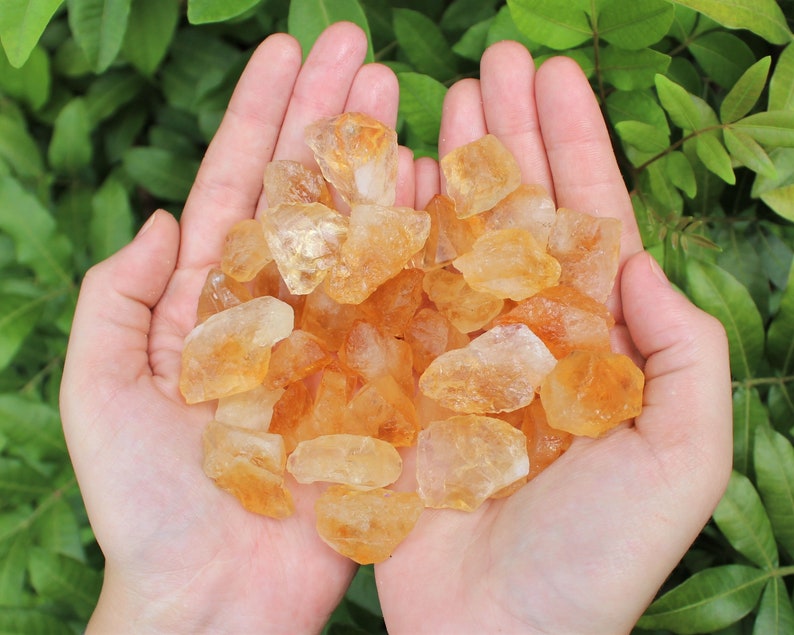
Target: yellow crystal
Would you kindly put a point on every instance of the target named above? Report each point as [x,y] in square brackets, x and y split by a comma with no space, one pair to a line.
[466,308]
[245,251]
[291,182]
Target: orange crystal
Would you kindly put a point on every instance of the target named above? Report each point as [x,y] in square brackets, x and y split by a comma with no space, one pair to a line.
[466,308]
[544,444]
[429,334]
[220,292]
[292,182]
[528,207]
[382,409]
[393,304]
[326,318]
[290,412]
[251,409]
[296,356]
[449,236]
[245,251]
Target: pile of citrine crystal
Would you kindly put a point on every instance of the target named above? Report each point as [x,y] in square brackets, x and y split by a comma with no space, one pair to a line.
[339,327]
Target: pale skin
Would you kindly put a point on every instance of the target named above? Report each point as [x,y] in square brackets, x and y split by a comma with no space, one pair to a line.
[582,548]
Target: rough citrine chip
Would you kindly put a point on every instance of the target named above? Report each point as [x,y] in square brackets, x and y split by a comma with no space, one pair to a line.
[250,409]
[220,292]
[449,236]
[498,371]
[296,356]
[589,393]
[382,409]
[394,303]
[230,351]
[429,334]
[357,155]
[544,444]
[360,462]
[462,461]
[366,526]
[292,182]
[479,174]
[466,308]
[528,207]
[245,251]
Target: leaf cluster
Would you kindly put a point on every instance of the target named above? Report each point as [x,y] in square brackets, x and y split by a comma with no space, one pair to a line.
[106,107]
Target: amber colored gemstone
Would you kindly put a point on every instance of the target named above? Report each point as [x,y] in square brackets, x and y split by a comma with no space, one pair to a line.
[588,248]
[498,371]
[544,444]
[366,526]
[392,305]
[462,461]
[330,403]
[357,154]
[589,393]
[479,174]
[326,318]
[245,251]
[467,309]
[429,334]
[382,409]
[292,182]
[508,263]
[449,236]
[528,207]
[372,353]
[360,462]
[296,356]
[380,241]
[220,292]
[258,490]
[290,412]
[428,410]
[565,319]
[230,351]
[250,409]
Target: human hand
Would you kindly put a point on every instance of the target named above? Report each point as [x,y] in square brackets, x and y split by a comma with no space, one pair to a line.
[584,546]
[182,555]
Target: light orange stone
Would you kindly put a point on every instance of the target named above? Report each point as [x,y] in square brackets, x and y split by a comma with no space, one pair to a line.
[429,334]
[220,292]
[358,155]
[508,263]
[258,490]
[330,403]
[588,248]
[589,393]
[392,305]
[544,444]
[498,371]
[245,251]
[382,409]
[289,414]
[449,236]
[462,461]
[466,308]
[366,526]
[479,174]
[360,462]
[292,182]
[380,241]
[251,409]
[230,351]
[327,319]
[527,207]
[296,356]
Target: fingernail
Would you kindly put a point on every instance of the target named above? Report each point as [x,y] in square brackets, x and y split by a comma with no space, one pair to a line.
[146,225]
[657,270]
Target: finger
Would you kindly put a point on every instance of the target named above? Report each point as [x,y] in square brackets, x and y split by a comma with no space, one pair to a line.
[507,80]
[229,180]
[375,92]
[406,178]
[427,181]
[462,116]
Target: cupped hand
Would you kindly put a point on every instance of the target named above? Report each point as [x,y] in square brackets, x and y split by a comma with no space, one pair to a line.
[584,546]
[181,555]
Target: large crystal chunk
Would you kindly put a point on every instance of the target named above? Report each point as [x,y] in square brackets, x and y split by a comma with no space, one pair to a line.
[466,308]
[291,182]
[245,251]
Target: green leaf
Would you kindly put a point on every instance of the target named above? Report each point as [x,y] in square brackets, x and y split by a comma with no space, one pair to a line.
[775,253]
[781,85]
[715,157]
[558,25]
[775,613]
[109,92]
[21,24]
[748,152]
[635,24]
[778,192]
[679,171]
[111,219]
[14,620]
[632,70]
[748,413]
[639,105]
[18,316]
[163,173]
[421,98]
[29,83]
[203,11]
[742,519]
[460,15]
[780,336]
[708,601]
[58,530]
[363,591]
[62,578]
[99,27]
[70,146]
[682,106]
[762,17]
[308,18]
[745,92]
[717,292]
[504,27]
[773,459]
[472,44]
[773,128]
[645,137]
[20,483]
[34,428]
[150,29]
[19,149]
[424,44]
[723,56]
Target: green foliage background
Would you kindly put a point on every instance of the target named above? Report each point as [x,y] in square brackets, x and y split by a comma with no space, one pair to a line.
[106,107]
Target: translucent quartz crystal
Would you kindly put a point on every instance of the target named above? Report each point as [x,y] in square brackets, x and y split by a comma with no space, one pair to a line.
[291,182]
[565,319]
[268,282]
[371,353]
[392,305]
[428,410]
[508,263]
[230,351]
[366,526]
[467,309]
[245,251]
[588,248]
[220,292]
[304,239]
[380,241]
[326,318]
[330,403]
[479,174]
[449,236]
[462,461]
[360,462]
[429,334]
[296,356]
[251,409]
[528,207]
[249,465]
[544,443]
[357,155]
[289,412]
[589,393]
[498,371]
[382,409]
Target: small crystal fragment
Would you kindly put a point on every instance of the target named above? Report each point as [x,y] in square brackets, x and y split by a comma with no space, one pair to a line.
[251,409]
[360,462]
[296,356]
[449,236]
[479,174]
[358,156]
[330,403]
[429,334]
[291,182]
[462,461]
[544,444]
[326,318]
[258,490]
[366,526]
[528,207]
[392,305]
[467,309]
[382,409]
[589,393]
[245,251]
[220,292]
[371,353]
[508,263]
[290,412]
[498,371]
[230,351]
